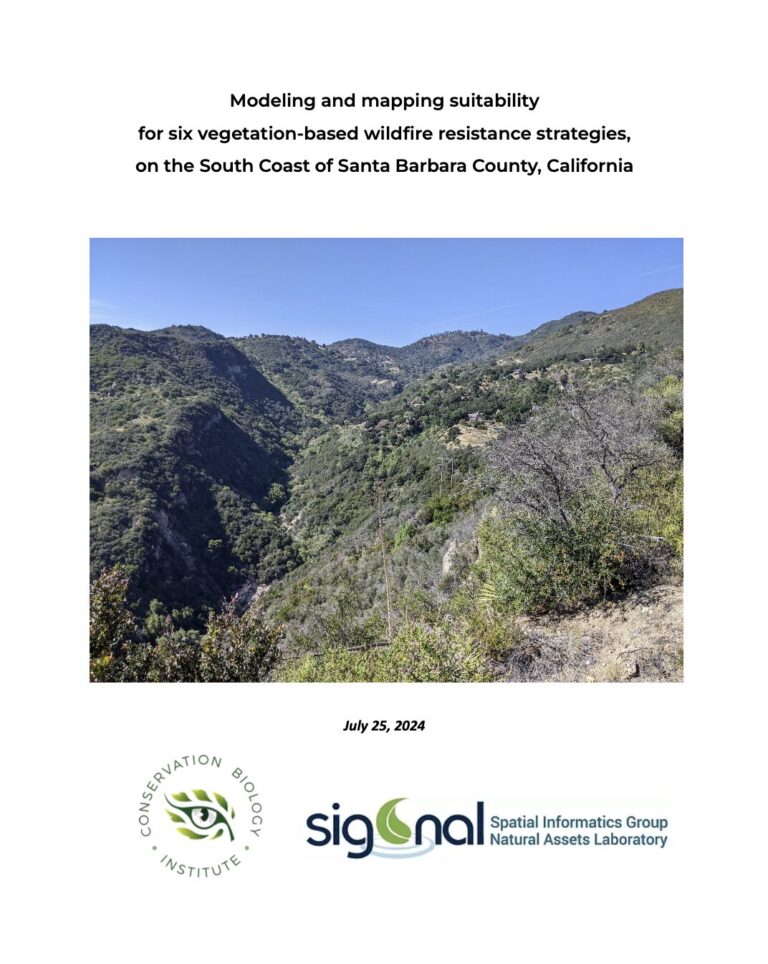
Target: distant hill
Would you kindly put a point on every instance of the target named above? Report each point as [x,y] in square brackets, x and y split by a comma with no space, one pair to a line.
[320,380]
[654,322]
[338,380]
[575,318]
[426,354]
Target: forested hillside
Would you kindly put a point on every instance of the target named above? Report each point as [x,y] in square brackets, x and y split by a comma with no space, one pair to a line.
[191,448]
[339,380]
[272,508]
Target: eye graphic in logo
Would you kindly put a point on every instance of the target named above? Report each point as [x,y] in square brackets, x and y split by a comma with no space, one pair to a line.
[203,818]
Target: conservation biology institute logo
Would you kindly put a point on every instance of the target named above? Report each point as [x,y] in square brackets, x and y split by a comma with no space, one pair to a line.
[200,817]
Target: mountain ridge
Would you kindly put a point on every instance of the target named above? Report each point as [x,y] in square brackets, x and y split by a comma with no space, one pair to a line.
[574,317]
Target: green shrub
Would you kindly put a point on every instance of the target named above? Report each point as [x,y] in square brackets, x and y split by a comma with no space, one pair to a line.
[343,622]
[418,654]
[672,431]
[498,633]
[658,499]
[404,533]
[235,647]
[441,509]
[155,622]
[670,391]
[535,565]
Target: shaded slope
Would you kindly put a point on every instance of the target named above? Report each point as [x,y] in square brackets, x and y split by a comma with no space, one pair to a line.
[188,440]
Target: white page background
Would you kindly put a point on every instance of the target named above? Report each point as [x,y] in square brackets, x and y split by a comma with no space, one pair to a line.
[80,79]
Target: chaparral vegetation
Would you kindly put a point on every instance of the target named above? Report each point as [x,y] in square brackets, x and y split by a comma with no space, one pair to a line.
[471,507]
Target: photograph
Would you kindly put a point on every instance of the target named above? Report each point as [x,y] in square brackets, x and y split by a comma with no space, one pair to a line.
[386,460]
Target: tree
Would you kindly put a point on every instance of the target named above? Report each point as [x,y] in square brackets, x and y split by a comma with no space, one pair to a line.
[155,621]
[571,529]
[580,439]
[174,658]
[111,623]
[238,648]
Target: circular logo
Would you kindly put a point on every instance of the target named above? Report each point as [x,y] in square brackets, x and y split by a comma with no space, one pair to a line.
[200,817]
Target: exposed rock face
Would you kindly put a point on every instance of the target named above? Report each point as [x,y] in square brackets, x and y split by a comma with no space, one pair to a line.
[173,539]
[449,557]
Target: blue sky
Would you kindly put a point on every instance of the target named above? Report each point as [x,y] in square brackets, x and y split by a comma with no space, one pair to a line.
[388,290]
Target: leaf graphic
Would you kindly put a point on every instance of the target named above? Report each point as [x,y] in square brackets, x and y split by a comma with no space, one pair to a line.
[222,802]
[180,796]
[391,828]
[191,833]
[175,816]
[201,795]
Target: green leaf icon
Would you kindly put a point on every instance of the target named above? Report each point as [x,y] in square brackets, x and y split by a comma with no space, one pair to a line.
[191,833]
[391,828]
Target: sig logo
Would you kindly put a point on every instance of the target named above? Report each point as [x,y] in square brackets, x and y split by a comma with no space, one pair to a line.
[389,835]
[205,832]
